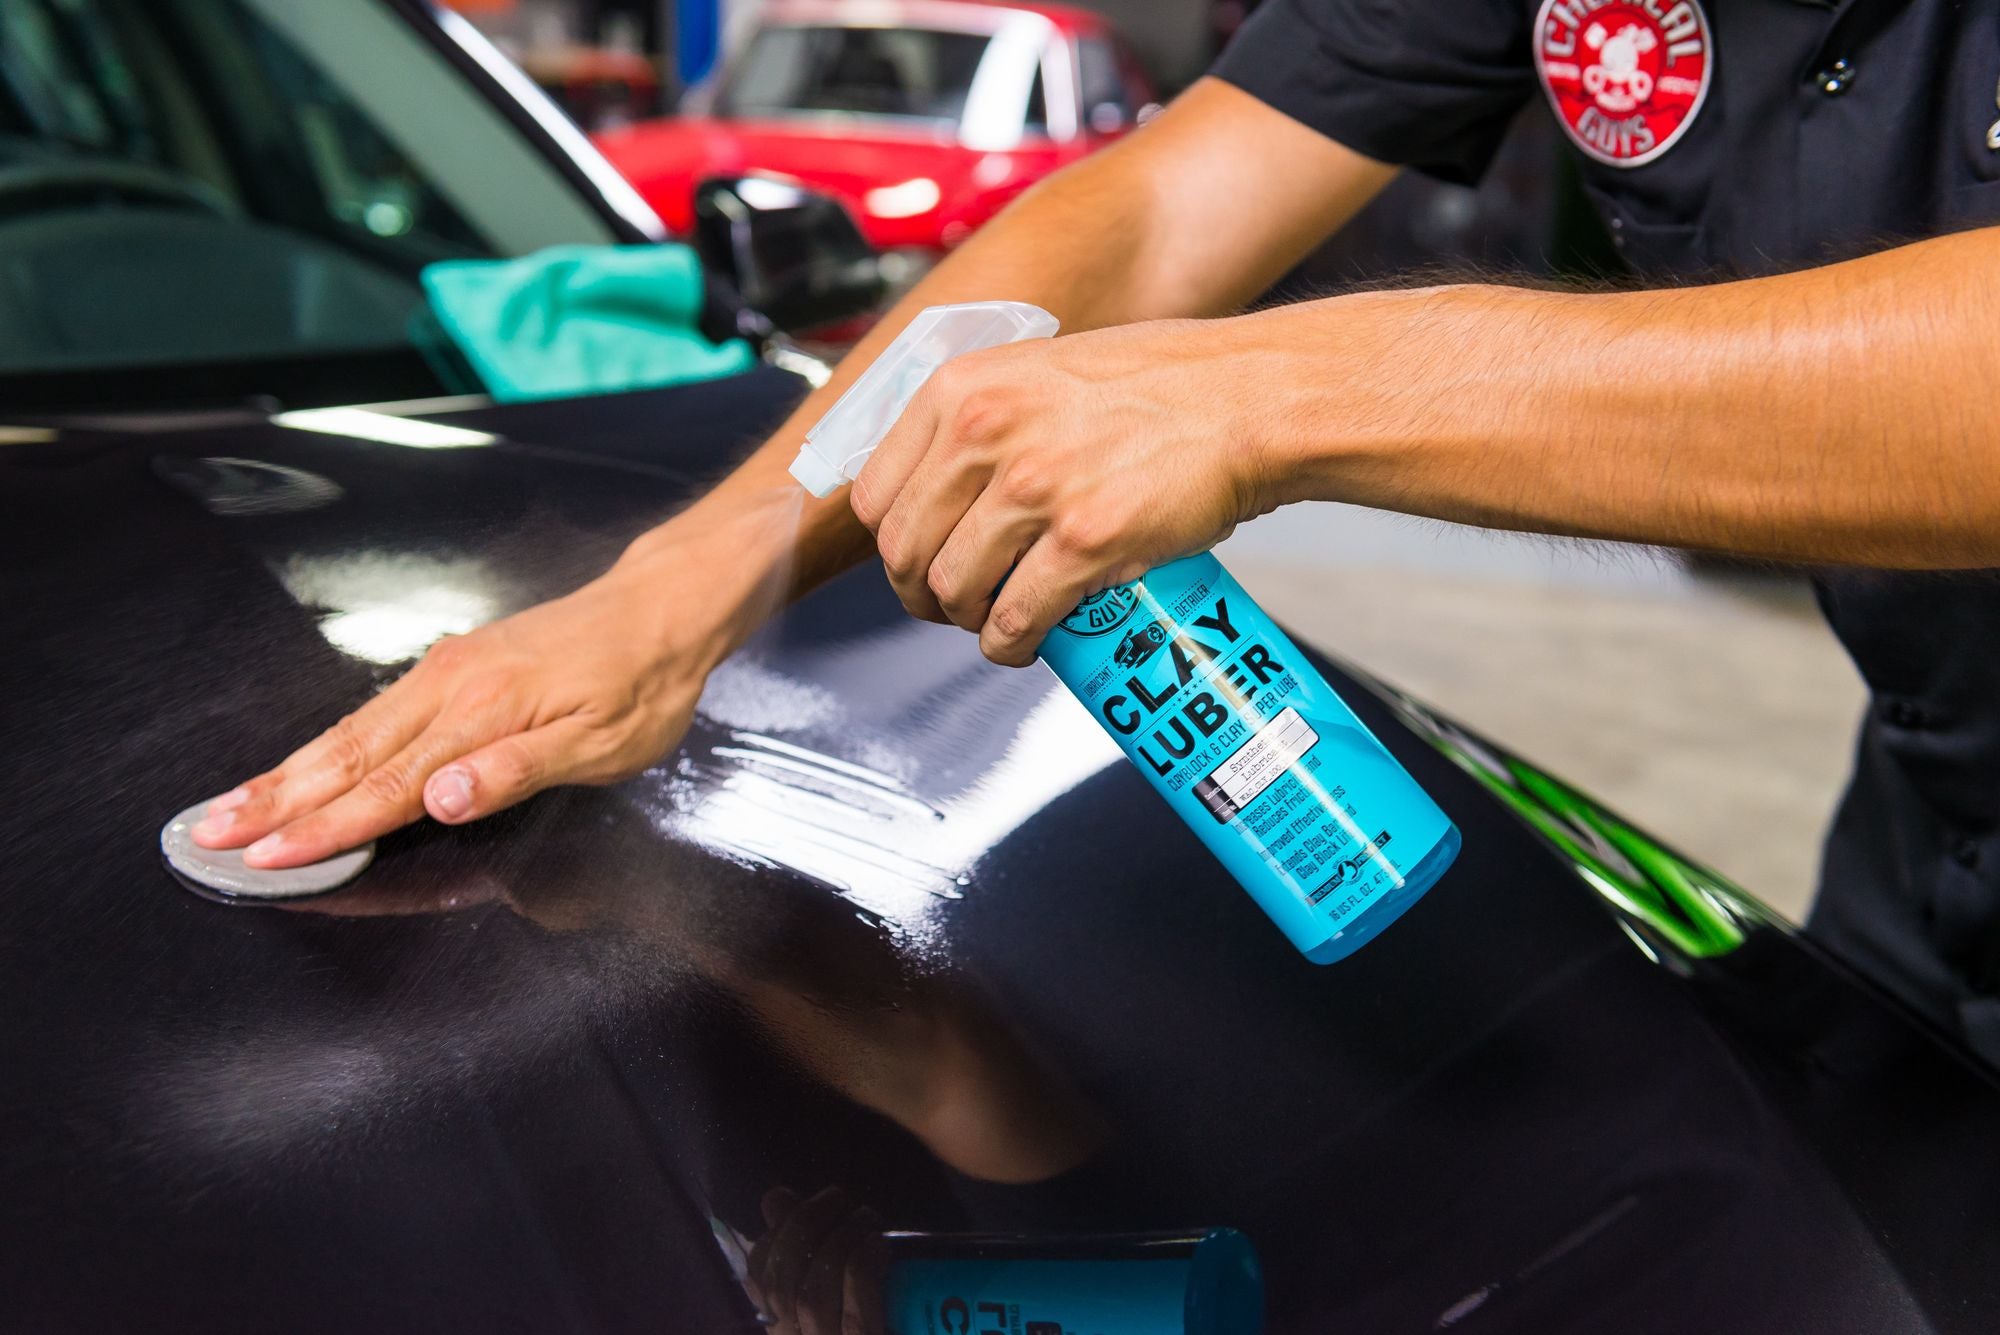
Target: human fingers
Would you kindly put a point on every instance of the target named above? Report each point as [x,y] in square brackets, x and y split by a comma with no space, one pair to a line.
[867,1286]
[824,1290]
[946,484]
[793,1246]
[391,794]
[966,574]
[899,451]
[1047,584]
[778,1205]
[515,768]
[322,769]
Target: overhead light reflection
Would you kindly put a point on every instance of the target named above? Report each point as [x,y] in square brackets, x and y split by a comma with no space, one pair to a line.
[390,635]
[863,831]
[362,424]
[389,607]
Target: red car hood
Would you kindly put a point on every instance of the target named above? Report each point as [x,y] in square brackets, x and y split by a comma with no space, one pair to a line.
[665,159]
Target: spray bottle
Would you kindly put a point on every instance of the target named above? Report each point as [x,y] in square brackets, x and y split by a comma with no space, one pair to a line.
[1192,1282]
[1203,1283]
[1215,705]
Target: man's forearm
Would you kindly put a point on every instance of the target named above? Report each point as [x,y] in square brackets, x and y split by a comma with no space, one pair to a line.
[1048,249]
[1840,415]
[1151,227]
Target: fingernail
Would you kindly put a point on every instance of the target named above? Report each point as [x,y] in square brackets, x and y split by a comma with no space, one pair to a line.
[230,800]
[451,793]
[213,827]
[267,847]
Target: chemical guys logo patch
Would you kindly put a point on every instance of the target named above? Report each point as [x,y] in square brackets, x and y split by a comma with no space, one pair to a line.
[1102,612]
[1626,77]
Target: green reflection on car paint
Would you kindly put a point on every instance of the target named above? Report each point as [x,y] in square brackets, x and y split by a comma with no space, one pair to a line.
[1677,903]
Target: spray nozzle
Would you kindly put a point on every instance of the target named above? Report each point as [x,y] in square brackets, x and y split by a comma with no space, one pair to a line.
[840,444]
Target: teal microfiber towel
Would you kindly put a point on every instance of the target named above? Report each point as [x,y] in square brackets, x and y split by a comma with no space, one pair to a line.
[575,320]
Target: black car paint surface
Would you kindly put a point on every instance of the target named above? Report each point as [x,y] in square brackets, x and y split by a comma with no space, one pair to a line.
[891,920]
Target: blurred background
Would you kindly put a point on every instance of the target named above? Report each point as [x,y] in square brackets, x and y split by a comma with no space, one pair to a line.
[1708,701]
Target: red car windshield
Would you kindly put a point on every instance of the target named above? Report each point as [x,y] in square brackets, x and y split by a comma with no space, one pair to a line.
[912,73]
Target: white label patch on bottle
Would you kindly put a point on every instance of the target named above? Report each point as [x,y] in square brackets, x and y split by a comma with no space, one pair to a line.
[1257,764]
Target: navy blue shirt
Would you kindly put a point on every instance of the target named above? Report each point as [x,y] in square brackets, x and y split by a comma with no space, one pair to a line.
[1734,138]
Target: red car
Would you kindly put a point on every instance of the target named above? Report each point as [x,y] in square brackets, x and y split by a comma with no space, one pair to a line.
[924,117]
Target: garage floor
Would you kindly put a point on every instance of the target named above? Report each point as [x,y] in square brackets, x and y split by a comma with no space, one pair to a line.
[1716,712]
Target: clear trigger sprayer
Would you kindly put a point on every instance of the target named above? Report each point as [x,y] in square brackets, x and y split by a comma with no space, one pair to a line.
[1221,712]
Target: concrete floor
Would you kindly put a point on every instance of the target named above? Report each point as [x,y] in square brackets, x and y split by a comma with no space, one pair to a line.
[1716,712]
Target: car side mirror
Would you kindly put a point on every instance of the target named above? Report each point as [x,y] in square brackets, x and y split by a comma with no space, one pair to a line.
[793,254]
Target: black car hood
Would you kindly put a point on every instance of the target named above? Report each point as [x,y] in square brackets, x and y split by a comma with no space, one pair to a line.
[891,920]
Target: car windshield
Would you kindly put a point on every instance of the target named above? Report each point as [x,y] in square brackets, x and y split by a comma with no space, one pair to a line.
[912,73]
[211,201]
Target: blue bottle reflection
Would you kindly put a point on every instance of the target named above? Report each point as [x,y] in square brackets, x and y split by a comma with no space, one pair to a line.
[825,1264]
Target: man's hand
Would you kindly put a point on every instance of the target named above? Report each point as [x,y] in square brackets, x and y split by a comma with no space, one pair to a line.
[822,1267]
[1022,479]
[590,688]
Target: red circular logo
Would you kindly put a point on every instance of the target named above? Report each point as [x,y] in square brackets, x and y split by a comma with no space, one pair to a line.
[1626,77]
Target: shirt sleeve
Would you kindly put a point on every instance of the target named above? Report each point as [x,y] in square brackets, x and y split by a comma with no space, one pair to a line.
[1429,84]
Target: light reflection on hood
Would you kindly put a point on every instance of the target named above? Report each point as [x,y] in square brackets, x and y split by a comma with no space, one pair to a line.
[389,607]
[865,832]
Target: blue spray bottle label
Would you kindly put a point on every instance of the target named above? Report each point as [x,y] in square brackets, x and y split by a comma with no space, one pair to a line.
[1214,704]
[1205,1283]
[1233,725]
